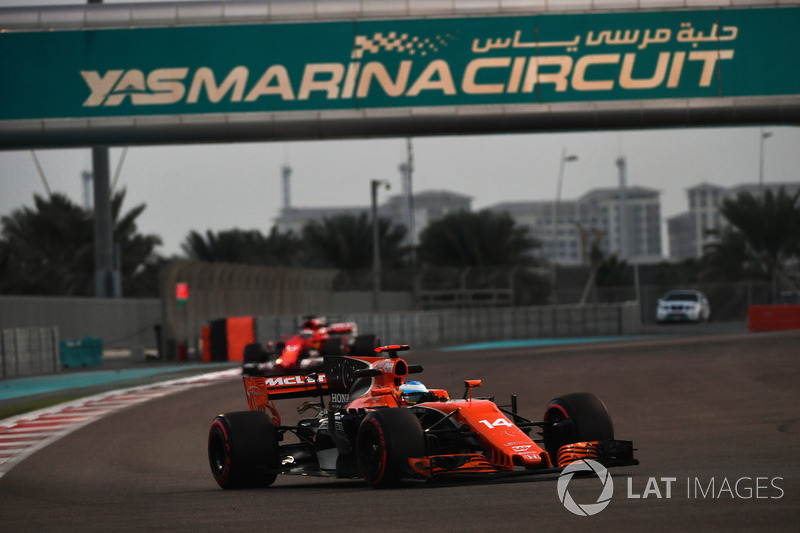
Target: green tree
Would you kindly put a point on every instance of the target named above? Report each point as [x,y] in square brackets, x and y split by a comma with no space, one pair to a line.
[762,241]
[139,263]
[614,272]
[668,274]
[483,238]
[345,242]
[49,249]
[242,246]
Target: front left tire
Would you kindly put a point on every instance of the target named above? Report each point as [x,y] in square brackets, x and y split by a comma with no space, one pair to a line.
[576,417]
[387,438]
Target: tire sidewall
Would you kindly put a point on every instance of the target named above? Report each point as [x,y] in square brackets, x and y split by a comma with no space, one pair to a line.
[396,435]
[373,468]
[583,417]
[243,450]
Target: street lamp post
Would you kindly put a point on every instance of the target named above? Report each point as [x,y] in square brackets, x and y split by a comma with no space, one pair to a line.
[564,159]
[376,256]
[764,136]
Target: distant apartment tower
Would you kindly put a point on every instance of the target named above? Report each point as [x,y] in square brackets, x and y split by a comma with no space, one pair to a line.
[594,217]
[427,207]
[691,231]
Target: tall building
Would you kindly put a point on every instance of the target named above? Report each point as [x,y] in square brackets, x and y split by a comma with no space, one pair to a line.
[427,207]
[682,237]
[568,228]
[691,231]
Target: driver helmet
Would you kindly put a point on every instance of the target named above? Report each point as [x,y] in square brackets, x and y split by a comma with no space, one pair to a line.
[313,323]
[414,392]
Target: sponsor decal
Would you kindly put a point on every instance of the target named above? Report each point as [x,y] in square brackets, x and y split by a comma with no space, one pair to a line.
[282,381]
[340,398]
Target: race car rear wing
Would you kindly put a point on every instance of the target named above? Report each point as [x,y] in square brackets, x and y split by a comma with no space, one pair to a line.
[261,390]
[338,377]
[288,386]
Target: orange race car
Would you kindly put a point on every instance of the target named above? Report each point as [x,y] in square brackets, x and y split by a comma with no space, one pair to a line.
[372,423]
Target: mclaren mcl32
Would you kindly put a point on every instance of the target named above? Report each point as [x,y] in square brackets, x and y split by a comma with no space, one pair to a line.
[372,422]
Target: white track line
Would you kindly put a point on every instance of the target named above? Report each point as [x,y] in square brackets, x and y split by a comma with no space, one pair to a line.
[21,436]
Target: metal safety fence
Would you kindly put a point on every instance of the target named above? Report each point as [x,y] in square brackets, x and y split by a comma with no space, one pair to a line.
[447,328]
[29,352]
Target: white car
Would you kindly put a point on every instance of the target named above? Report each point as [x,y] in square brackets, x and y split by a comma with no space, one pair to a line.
[683,306]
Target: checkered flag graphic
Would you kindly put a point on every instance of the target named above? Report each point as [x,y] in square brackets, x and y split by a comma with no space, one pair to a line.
[393,42]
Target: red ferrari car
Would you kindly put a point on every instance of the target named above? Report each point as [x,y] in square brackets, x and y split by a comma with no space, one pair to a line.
[371,423]
[304,351]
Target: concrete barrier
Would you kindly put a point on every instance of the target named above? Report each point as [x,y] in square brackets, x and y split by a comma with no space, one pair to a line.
[773,317]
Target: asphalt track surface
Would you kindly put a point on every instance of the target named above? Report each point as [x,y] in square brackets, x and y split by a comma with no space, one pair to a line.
[719,414]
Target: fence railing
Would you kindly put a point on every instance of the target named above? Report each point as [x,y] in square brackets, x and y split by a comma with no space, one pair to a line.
[442,328]
[729,301]
[134,324]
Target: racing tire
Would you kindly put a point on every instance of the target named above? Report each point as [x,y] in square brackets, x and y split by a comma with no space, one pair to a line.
[243,450]
[364,345]
[576,417]
[386,439]
[332,346]
[254,353]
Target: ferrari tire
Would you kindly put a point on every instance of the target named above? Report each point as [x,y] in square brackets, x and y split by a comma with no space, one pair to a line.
[254,353]
[386,439]
[332,346]
[243,450]
[364,345]
[576,417]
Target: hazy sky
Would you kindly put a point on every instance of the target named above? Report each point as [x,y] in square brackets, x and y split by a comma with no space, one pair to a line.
[222,186]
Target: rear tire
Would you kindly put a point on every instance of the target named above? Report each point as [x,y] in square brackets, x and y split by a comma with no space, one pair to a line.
[243,450]
[576,417]
[387,438]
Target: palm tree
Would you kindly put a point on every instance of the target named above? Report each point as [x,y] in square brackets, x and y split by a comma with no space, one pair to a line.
[614,272]
[729,260]
[139,263]
[49,249]
[763,239]
[484,238]
[345,242]
[242,246]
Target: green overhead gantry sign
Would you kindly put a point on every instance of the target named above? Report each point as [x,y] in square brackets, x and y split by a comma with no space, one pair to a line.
[514,72]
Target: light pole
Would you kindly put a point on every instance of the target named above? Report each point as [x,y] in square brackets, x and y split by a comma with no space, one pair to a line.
[376,256]
[764,136]
[564,159]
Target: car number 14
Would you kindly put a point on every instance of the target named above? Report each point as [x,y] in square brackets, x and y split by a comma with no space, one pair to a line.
[498,422]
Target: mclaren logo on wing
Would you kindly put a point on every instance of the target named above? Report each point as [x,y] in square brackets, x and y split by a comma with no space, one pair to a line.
[281,381]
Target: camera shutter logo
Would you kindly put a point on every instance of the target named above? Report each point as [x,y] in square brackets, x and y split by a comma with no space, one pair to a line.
[587,509]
